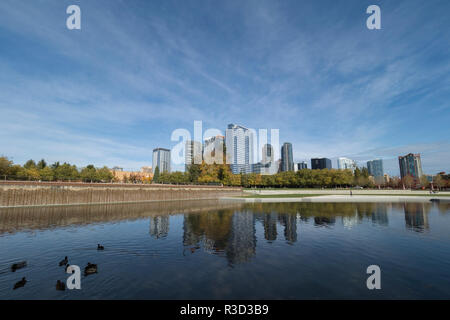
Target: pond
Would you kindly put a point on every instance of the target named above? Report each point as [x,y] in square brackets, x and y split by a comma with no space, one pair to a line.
[227,250]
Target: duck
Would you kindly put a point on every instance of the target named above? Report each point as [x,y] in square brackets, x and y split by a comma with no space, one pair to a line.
[64,262]
[18,265]
[60,286]
[20,283]
[100,247]
[90,269]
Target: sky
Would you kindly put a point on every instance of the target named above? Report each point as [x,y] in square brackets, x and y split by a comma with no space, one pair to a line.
[110,93]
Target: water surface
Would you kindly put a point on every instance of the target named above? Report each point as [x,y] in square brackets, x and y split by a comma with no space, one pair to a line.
[219,250]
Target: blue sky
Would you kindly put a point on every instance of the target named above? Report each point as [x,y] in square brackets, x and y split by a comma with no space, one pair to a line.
[111,92]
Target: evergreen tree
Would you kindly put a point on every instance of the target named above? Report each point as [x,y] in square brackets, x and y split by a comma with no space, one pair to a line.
[156,175]
[41,164]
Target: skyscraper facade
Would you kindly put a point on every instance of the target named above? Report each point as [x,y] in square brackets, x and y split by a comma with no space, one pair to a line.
[161,159]
[267,154]
[375,168]
[287,161]
[410,165]
[213,150]
[239,145]
[302,165]
[267,164]
[346,163]
[193,153]
[320,163]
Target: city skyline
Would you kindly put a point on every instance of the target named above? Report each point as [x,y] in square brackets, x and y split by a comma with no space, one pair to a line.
[112,92]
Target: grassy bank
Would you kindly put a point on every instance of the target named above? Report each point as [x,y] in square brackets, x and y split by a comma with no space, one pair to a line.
[282,195]
[294,195]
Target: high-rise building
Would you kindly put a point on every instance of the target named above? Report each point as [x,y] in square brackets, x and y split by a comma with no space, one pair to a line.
[410,165]
[239,145]
[193,153]
[267,164]
[287,161]
[161,159]
[302,165]
[375,168]
[320,163]
[267,154]
[346,163]
[213,150]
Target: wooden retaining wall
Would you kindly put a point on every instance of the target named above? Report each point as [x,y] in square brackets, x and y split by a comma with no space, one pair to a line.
[70,194]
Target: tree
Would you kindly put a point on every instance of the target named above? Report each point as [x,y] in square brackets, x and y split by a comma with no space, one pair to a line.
[30,164]
[41,164]
[156,175]
[438,181]
[394,182]
[65,171]
[46,174]
[89,174]
[194,172]
[30,174]
[408,181]
[104,174]
[424,181]
[5,165]
[55,165]
[356,176]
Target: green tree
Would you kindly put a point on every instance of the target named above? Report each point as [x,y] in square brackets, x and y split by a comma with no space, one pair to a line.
[65,172]
[156,175]
[41,164]
[193,172]
[29,174]
[46,174]
[104,174]
[89,174]
[55,165]
[5,165]
[30,164]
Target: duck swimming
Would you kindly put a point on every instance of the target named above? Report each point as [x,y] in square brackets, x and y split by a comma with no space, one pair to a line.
[20,283]
[90,269]
[60,286]
[99,247]
[64,262]
[18,265]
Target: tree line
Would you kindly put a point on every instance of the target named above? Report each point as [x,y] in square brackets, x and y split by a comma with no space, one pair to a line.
[221,174]
[214,174]
[41,171]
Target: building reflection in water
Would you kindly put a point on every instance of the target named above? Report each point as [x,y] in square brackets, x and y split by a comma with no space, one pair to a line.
[227,233]
[324,221]
[380,215]
[210,230]
[233,233]
[270,226]
[416,216]
[289,221]
[242,241]
[159,226]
